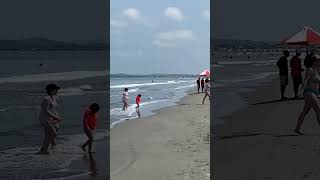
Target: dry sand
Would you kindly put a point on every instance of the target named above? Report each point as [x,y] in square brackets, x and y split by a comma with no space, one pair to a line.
[258,143]
[173,144]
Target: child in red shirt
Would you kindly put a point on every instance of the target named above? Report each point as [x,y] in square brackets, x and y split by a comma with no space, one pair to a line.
[138,101]
[89,124]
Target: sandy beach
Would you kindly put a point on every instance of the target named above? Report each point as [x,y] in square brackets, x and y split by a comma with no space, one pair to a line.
[172,144]
[258,142]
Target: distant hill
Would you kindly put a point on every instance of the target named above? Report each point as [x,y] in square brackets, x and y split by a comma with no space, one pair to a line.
[42,44]
[238,44]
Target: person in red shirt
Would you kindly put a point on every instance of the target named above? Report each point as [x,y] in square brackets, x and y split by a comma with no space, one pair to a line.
[89,124]
[138,101]
[296,70]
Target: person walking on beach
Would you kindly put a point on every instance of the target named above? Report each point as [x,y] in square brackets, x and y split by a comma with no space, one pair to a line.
[283,72]
[198,85]
[308,60]
[202,84]
[311,89]
[125,99]
[138,101]
[207,91]
[89,124]
[49,116]
[296,70]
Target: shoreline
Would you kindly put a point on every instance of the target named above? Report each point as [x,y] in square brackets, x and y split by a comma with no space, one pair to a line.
[153,112]
[258,142]
[169,144]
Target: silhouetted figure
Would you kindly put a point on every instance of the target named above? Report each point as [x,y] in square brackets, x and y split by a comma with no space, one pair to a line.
[202,84]
[283,73]
[308,60]
[198,85]
[296,73]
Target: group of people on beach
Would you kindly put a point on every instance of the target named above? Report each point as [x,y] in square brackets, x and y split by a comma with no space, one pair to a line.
[50,120]
[125,100]
[310,84]
[204,84]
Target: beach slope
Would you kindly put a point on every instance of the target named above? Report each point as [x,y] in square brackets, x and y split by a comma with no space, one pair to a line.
[172,144]
[258,142]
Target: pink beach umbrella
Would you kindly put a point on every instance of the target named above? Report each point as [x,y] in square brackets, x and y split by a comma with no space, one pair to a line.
[305,37]
[205,73]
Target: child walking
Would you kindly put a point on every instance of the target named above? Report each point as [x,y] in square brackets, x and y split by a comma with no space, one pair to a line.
[138,101]
[89,124]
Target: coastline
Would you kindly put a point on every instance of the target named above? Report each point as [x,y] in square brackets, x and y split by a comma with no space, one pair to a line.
[258,142]
[170,144]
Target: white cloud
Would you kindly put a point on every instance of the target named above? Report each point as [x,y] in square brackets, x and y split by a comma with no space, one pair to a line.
[171,38]
[174,13]
[206,14]
[118,24]
[176,35]
[132,13]
[159,43]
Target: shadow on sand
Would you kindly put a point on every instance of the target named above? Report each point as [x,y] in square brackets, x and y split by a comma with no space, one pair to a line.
[259,134]
[92,165]
[277,100]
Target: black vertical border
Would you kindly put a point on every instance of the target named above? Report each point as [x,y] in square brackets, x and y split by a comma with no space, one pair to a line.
[107,37]
[212,93]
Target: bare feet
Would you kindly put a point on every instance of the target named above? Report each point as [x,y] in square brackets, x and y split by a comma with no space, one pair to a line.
[298,132]
[83,148]
[42,152]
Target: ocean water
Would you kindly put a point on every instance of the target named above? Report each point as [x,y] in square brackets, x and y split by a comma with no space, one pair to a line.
[236,75]
[157,92]
[23,76]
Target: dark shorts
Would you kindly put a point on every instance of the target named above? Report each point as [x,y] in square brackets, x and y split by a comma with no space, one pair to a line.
[297,79]
[283,80]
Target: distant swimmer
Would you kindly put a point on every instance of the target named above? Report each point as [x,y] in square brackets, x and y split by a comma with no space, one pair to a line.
[138,101]
[40,64]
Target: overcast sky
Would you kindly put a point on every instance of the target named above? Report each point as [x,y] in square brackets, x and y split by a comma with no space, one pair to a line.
[268,20]
[67,20]
[161,36]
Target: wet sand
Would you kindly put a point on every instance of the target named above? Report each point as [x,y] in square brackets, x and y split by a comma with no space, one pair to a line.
[258,142]
[172,144]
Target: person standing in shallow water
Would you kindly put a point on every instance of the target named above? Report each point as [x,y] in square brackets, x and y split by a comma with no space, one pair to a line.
[49,116]
[283,73]
[125,99]
[89,124]
[198,85]
[138,101]
[310,92]
[296,73]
